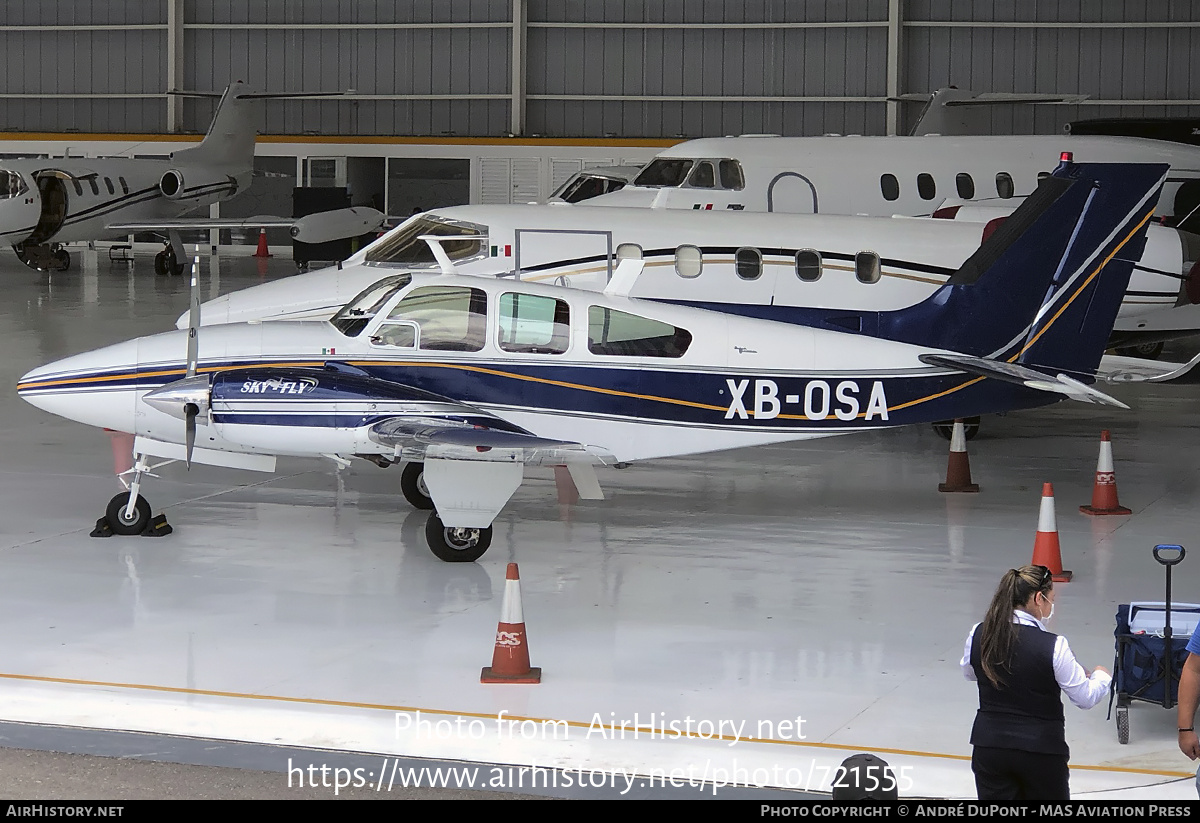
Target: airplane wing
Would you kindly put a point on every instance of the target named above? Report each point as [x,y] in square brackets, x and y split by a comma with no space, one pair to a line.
[1012,373]
[312,228]
[1117,369]
[463,441]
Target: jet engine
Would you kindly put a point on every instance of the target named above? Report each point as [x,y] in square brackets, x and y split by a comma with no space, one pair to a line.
[172,184]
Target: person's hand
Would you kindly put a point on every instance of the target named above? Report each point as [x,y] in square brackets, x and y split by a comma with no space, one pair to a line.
[1102,669]
[1189,744]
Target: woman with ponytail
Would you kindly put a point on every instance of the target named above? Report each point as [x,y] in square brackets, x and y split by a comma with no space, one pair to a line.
[1020,746]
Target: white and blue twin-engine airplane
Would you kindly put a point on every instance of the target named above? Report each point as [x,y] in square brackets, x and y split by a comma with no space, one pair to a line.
[469,379]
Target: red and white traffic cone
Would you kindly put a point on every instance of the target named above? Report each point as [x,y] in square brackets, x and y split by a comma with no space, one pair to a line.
[1045,545]
[261,251]
[1104,490]
[958,469]
[510,660]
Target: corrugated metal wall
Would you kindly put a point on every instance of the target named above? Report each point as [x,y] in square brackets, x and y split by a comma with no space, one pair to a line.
[627,68]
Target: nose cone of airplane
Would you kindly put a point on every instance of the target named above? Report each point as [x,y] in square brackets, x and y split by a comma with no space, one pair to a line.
[97,388]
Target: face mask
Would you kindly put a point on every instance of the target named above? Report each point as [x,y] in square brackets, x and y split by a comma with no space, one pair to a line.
[1048,616]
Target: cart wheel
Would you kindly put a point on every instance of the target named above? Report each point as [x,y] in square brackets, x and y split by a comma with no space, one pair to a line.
[1122,724]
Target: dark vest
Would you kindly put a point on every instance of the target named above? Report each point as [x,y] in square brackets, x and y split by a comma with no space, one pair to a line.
[1027,712]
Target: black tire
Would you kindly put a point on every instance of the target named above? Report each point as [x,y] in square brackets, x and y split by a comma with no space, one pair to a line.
[63,259]
[1147,351]
[945,429]
[116,515]
[1122,724]
[160,264]
[412,486]
[456,545]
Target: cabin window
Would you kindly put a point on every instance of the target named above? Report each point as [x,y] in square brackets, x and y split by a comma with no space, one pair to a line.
[703,176]
[731,175]
[78,187]
[664,171]
[889,186]
[534,323]
[124,185]
[866,267]
[95,186]
[619,333]
[925,186]
[109,185]
[628,251]
[450,318]
[808,265]
[965,185]
[688,261]
[1004,185]
[748,263]
[403,248]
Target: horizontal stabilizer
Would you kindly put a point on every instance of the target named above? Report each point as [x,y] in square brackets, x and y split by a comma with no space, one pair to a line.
[1022,375]
[1117,369]
[321,227]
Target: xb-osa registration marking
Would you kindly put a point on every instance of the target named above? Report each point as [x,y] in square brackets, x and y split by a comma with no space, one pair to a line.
[819,400]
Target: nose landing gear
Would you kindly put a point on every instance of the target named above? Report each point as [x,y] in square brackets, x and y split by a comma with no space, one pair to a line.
[44,256]
[129,512]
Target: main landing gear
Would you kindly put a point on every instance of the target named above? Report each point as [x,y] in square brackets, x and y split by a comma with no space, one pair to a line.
[44,257]
[128,512]
[166,263]
[453,545]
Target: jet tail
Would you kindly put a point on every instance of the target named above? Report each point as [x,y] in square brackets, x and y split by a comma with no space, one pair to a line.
[1044,290]
[230,139]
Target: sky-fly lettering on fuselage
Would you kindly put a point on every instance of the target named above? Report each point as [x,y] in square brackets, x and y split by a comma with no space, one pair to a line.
[278,386]
[819,399]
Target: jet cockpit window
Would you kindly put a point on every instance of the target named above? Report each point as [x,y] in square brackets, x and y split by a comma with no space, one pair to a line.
[748,263]
[534,324]
[450,318]
[665,171]
[703,176]
[731,175]
[618,333]
[866,267]
[585,186]
[808,265]
[1004,185]
[11,184]
[356,314]
[403,248]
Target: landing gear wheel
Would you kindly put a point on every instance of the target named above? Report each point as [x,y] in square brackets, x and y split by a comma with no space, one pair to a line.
[456,545]
[165,263]
[63,258]
[945,429]
[1122,724]
[1148,351]
[160,263]
[412,486]
[119,523]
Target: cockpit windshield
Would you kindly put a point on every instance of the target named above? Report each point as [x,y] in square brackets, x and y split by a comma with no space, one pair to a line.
[11,184]
[665,171]
[403,248]
[356,314]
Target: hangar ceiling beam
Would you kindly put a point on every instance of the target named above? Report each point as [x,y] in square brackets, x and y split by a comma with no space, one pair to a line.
[520,28]
[895,35]
[174,65]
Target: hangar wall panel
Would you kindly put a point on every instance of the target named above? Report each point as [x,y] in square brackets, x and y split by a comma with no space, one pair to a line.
[628,68]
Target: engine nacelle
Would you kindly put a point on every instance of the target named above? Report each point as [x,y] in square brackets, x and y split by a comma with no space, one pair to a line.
[171,184]
[182,183]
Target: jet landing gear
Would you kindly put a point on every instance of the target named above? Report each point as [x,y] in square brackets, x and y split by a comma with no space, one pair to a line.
[44,257]
[166,263]
[128,512]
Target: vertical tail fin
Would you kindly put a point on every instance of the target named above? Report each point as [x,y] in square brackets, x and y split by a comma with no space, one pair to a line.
[230,139]
[1045,288]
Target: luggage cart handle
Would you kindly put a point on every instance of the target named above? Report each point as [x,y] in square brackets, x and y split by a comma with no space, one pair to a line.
[1168,547]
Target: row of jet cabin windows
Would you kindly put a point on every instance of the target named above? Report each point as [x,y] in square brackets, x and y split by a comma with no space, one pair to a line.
[96,186]
[748,263]
[441,318]
[889,186]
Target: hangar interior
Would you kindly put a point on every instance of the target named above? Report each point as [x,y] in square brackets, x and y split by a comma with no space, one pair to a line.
[796,604]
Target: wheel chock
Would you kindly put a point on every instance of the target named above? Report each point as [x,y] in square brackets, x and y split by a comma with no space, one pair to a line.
[102,529]
[158,527]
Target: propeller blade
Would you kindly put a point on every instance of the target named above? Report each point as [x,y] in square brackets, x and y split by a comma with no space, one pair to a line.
[190,411]
[193,341]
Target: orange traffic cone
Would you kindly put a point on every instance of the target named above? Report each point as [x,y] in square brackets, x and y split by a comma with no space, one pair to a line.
[262,244]
[958,470]
[1045,544]
[510,660]
[1104,490]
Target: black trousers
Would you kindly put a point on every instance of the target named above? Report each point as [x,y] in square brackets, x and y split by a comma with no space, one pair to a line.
[1012,774]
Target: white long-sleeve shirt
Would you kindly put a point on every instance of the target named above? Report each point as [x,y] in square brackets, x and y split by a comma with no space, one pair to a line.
[1082,690]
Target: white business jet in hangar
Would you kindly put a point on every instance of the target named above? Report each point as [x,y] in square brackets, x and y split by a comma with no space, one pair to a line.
[472,378]
[45,203]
